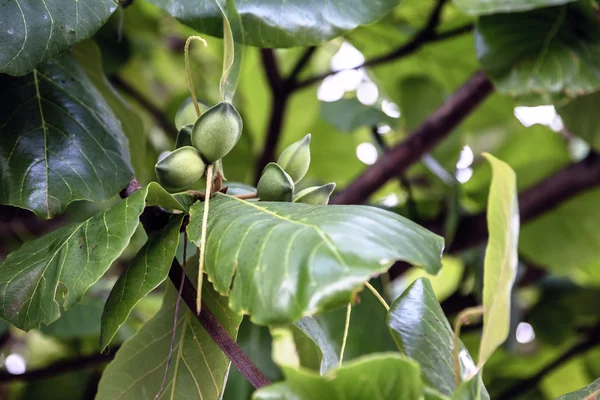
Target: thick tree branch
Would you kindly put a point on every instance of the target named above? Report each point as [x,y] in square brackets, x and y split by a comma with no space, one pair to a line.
[422,140]
[522,387]
[216,331]
[160,117]
[534,201]
[60,367]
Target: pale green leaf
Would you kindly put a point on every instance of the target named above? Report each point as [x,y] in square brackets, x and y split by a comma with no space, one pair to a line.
[591,392]
[291,260]
[501,257]
[198,368]
[33,31]
[147,270]
[544,55]
[478,7]
[59,140]
[381,376]
[424,334]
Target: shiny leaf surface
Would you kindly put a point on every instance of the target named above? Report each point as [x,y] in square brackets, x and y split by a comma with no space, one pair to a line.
[477,7]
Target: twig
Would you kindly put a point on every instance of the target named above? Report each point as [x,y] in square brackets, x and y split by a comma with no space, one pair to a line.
[160,117]
[425,36]
[209,184]
[291,80]
[525,385]
[60,367]
[246,196]
[345,337]
[378,295]
[216,331]
[423,139]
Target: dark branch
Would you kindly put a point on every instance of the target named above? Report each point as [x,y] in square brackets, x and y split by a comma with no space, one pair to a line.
[300,64]
[525,385]
[60,367]
[422,140]
[160,117]
[535,201]
[216,331]
[425,36]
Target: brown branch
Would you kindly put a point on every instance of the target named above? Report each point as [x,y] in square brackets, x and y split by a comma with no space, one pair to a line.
[60,367]
[425,36]
[156,113]
[522,387]
[216,331]
[422,140]
[534,201]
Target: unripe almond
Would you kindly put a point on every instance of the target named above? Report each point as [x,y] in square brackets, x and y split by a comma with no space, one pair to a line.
[180,168]
[275,184]
[316,195]
[184,137]
[186,115]
[295,159]
[217,131]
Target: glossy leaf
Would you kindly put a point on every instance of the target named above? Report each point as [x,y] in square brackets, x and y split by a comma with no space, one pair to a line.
[34,31]
[423,333]
[470,390]
[54,271]
[501,257]
[198,368]
[146,271]
[59,140]
[558,58]
[347,115]
[291,260]
[271,23]
[381,376]
[313,329]
[581,118]
[478,7]
[590,392]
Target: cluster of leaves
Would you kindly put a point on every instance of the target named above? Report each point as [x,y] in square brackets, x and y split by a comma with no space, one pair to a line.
[88,92]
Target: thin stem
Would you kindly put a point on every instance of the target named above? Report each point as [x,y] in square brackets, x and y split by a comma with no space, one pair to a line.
[175,318]
[246,196]
[189,71]
[209,178]
[346,330]
[464,318]
[379,297]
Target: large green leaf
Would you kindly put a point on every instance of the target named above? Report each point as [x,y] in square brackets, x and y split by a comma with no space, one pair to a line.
[276,23]
[291,260]
[587,393]
[477,7]
[422,332]
[381,376]
[59,140]
[198,369]
[56,270]
[33,31]
[542,55]
[581,118]
[501,257]
[146,271]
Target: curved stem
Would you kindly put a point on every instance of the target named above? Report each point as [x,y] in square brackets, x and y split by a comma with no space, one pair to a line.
[209,178]
[464,318]
[379,297]
[346,329]
[189,71]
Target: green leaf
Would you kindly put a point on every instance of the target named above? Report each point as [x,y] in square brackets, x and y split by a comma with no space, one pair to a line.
[147,270]
[198,368]
[543,55]
[59,140]
[478,7]
[423,333]
[347,115]
[34,31]
[587,393]
[56,270]
[233,34]
[291,260]
[271,23]
[311,327]
[419,96]
[293,348]
[470,390]
[501,257]
[83,320]
[381,376]
[88,56]
[581,118]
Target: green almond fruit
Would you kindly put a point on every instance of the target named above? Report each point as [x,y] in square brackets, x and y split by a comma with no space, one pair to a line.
[217,131]
[180,168]
[316,195]
[295,159]
[275,184]
[186,115]
[184,137]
